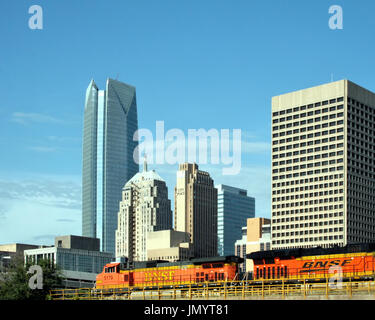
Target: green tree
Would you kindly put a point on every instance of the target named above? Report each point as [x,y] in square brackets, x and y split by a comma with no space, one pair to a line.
[14,284]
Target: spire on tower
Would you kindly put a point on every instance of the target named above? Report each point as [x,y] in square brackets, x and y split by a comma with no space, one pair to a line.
[145,163]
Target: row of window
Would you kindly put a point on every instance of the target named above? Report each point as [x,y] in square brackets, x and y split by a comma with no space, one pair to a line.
[309,195]
[310,150]
[307,225]
[366,114]
[360,106]
[310,180]
[308,187]
[305,173]
[353,105]
[308,158]
[363,173]
[308,203]
[359,120]
[302,218]
[297,204]
[361,164]
[310,106]
[301,240]
[308,165]
[309,136]
[310,114]
[361,222]
[304,129]
[310,224]
[306,232]
[358,127]
[354,133]
[304,144]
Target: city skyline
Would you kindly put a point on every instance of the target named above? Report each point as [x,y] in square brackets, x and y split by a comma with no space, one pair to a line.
[220,62]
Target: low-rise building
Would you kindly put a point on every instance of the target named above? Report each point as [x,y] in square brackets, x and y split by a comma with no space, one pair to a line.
[8,252]
[78,257]
[169,245]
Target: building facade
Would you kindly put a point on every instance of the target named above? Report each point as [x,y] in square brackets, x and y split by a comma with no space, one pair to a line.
[323,172]
[144,208]
[78,258]
[240,250]
[10,252]
[258,238]
[196,209]
[234,208]
[168,245]
[110,121]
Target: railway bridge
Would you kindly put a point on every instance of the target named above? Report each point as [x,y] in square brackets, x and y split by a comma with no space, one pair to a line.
[266,289]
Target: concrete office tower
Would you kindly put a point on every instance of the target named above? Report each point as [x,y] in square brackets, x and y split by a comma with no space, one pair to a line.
[110,121]
[196,209]
[323,169]
[234,208]
[144,208]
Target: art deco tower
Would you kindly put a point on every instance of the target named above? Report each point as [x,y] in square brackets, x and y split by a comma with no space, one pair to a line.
[196,209]
[144,208]
[110,121]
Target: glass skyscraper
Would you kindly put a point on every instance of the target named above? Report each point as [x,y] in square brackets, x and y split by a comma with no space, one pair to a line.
[233,209]
[110,121]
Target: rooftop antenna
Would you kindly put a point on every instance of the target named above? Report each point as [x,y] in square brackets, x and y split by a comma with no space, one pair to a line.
[145,163]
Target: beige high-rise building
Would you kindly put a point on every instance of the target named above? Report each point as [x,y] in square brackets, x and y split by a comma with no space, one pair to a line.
[258,238]
[196,209]
[323,167]
[144,208]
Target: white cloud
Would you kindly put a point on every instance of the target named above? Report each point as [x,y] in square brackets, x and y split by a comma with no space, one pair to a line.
[42,149]
[29,222]
[26,118]
[37,209]
[63,139]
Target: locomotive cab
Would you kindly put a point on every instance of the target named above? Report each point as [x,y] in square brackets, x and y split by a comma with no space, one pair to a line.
[113,276]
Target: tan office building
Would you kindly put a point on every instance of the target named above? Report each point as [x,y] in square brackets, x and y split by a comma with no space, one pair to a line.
[196,209]
[168,245]
[258,238]
[323,167]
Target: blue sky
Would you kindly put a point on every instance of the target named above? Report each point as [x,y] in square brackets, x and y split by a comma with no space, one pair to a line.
[195,64]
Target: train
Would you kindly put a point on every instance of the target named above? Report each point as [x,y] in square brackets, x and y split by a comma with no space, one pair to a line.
[163,273]
[353,261]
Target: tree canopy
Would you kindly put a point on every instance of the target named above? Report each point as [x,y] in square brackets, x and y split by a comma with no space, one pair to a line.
[14,283]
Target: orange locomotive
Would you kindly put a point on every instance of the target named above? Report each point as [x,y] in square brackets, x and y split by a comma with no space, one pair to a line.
[350,261]
[156,273]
